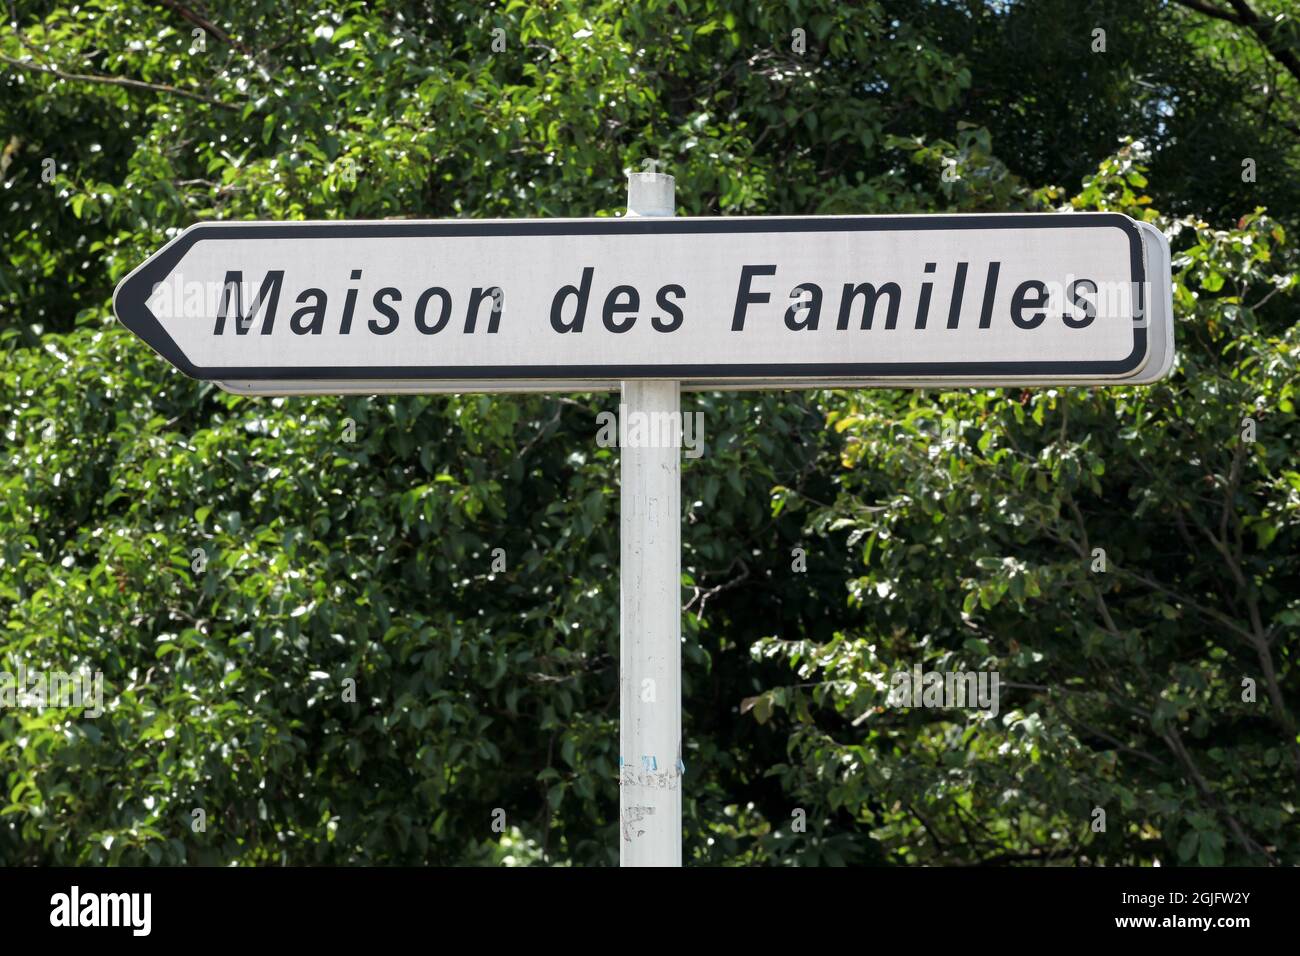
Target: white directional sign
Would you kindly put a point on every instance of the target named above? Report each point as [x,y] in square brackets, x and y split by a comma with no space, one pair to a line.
[711,302]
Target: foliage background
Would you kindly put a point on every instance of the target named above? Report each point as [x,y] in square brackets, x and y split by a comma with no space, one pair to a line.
[951,529]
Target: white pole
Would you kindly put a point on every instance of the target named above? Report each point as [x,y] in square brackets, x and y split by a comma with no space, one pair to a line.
[650,652]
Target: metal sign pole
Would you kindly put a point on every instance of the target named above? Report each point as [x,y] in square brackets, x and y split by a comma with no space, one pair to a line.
[650,657]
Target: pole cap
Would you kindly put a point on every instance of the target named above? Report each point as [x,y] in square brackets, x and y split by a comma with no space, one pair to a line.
[651,194]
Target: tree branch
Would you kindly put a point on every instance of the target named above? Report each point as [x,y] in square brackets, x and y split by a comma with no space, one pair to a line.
[1263,30]
[1175,743]
[121,81]
[1209,10]
[1265,33]
[206,26]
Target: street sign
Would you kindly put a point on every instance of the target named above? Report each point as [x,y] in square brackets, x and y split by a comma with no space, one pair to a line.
[581,304]
[652,305]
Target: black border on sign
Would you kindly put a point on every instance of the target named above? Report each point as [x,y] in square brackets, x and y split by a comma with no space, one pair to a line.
[132,294]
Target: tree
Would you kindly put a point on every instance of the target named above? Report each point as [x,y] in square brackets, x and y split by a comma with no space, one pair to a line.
[293,602]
